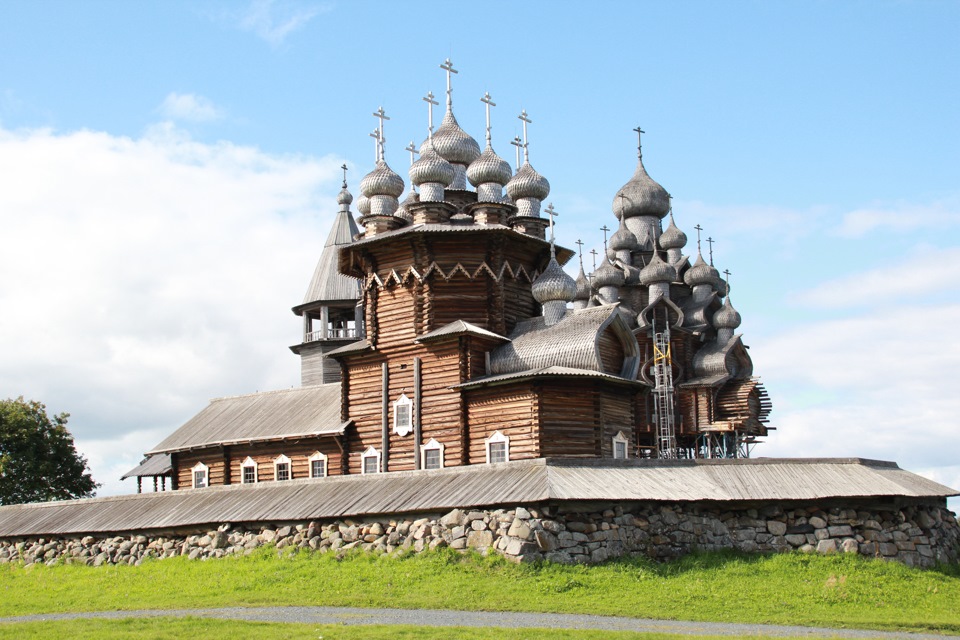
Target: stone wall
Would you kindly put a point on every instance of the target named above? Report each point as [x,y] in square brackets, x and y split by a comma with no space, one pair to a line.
[917,535]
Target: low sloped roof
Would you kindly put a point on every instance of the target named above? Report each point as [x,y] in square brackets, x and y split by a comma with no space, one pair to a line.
[158,465]
[510,483]
[270,415]
[459,327]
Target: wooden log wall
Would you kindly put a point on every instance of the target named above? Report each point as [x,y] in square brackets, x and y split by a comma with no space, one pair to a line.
[571,419]
[611,352]
[510,409]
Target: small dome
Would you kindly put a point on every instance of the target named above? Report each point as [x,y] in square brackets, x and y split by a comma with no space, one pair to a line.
[583,286]
[726,316]
[489,167]
[344,197]
[608,275]
[382,181]
[412,198]
[657,270]
[641,196]
[363,205]
[624,240]
[554,284]
[673,238]
[701,273]
[430,167]
[453,143]
[527,183]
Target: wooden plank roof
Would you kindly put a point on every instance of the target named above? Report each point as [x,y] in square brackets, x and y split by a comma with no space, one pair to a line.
[328,284]
[158,465]
[269,415]
[511,483]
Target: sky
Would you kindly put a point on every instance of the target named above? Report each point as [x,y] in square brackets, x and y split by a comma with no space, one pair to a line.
[168,173]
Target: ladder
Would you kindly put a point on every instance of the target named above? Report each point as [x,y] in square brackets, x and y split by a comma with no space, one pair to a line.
[663,391]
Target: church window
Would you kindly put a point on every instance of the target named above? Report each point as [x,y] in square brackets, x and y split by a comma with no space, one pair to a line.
[281,468]
[248,471]
[498,448]
[402,415]
[432,455]
[201,474]
[318,465]
[371,461]
[620,444]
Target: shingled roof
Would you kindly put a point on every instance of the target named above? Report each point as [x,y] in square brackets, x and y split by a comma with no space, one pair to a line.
[270,415]
[328,284]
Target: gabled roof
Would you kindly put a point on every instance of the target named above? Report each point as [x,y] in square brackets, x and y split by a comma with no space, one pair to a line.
[572,342]
[327,282]
[458,328]
[271,415]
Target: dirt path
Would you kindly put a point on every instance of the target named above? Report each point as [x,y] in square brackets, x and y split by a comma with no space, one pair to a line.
[439,618]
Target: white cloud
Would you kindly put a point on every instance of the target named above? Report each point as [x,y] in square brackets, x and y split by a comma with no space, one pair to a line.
[144,276]
[273,21]
[901,217]
[190,107]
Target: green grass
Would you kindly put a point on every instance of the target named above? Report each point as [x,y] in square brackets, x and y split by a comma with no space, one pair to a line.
[838,591]
[179,628]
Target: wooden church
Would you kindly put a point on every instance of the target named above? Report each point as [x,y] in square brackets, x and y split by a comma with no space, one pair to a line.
[443,331]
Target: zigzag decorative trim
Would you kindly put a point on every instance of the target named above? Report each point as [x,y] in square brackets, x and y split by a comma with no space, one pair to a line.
[411,274]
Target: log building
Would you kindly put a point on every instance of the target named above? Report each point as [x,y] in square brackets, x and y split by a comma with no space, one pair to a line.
[443,331]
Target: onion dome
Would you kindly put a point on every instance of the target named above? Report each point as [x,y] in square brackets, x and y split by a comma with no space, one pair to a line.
[554,284]
[430,167]
[527,183]
[363,205]
[641,196]
[657,270]
[489,167]
[453,143]
[726,317]
[412,198]
[701,273]
[608,275]
[672,237]
[344,197]
[624,240]
[583,286]
[382,181]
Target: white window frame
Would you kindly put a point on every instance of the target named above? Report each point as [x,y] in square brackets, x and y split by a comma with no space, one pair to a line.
[403,428]
[200,467]
[318,456]
[247,464]
[279,460]
[620,438]
[496,438]
[369,453]
[432,445]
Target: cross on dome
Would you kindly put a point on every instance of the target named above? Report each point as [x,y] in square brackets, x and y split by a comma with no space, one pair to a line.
[382,115]
[710,242]
[413,151]
[518,143]
[448,67]
[526,120]
[344,167]
[431,103]
[593,252]
[605,230]
[488,101]
[550,213]
[375,134]
[579,244]
[699,229]
[640,132]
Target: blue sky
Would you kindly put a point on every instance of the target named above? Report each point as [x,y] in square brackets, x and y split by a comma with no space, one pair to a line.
[168,169]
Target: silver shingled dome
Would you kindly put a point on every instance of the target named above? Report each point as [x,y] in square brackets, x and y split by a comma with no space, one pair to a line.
[430,167]
[382,181]
[641,196]
[453,143]
[527,183]
[672,237]
[702,273]
[363,205]
[624,239]
[608,275]
[402,212]
[583,286]
[553,284]
[489,167]
[726,316]
[344,197]
[657,270]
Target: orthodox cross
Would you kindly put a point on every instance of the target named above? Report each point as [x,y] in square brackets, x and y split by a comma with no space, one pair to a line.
[550,213]
[579,244]
[526,120]
[376,146]
[490,103]
[382,115]
[344,167]
[726,272]
[517,142]
[605,231]
[699,229]
[431,102]
[710,242]
[412,149]
[640,132]
[593,252]
[448,67]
